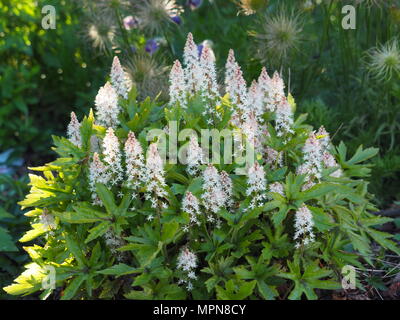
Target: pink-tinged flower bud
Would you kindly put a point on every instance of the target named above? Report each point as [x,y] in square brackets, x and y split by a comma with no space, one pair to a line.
[154,178]
[73,131]
[119,79]
[177,88]
[135,168]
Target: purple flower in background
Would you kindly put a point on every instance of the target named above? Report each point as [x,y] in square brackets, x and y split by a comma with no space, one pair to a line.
[200,48]
[151,46]
[176,19]
[194,4]
[130,22]
[133,49]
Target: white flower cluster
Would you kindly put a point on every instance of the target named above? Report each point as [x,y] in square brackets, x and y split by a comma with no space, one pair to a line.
[112,156]
[98,173]
[107,108]
[312,165]
[277,188]
[230,67]
[194,156]
[119,79]
[154,178]
[316,155]
[330,162]
[217,190]
[276,91]
[239,92]
[193,71]
[177,86]
[251,130]
[312,151]
[257,184]
[236,87]
[234,82]
[265,94]
[199,76]
[191,205]
[255,101]
[135,167]
[106,102]
[73,131]
[284,118]
[256,179]
[303,227]
[227,188]
[187,262]
[109,171]
[328,159]
[209,83]
[264,85]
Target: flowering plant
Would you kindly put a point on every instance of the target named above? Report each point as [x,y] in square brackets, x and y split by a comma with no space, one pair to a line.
[116,215]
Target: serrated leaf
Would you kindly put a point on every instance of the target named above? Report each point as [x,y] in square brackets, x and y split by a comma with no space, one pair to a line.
[75,249]
[107,198]
[73,287]
[138,295]
[6,242]
[316,191]
[120,269]
[169,231]
[98,231]
[38,229]
[267,292]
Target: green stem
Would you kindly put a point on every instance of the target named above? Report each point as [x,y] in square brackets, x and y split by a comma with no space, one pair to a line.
[122,29]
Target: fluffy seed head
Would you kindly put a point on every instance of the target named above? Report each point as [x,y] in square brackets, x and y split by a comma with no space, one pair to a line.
[278,36]
[383,62]
[148,75]
[155,15]
[101,31]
